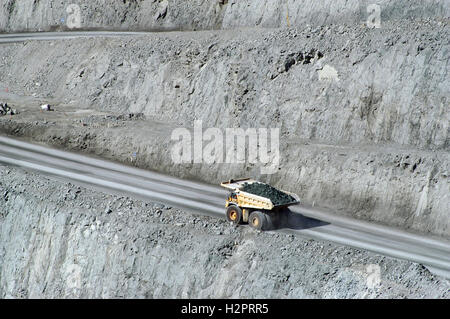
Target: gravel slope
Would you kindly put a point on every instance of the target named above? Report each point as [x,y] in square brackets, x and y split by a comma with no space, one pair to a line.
[364,122]
[47,15]
[369,140]
[58,240]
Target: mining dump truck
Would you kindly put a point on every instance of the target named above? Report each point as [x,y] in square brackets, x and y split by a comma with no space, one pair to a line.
[256,203]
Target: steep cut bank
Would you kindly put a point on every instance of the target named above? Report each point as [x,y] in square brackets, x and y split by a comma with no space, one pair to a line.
[363,114]
[58,240]
[348,180]
[338,84]
[49,15]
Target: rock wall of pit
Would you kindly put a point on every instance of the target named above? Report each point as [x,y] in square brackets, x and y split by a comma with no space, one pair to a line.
[363,112]
[58,240]
[49,15]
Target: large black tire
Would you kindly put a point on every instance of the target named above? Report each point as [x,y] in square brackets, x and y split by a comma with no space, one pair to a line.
[234,214]
[271,220]
[257,220]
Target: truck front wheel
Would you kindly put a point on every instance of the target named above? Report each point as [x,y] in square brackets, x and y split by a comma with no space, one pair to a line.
[234,214]
[257,220]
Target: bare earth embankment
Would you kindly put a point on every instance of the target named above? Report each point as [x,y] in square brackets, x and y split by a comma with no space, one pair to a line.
[364,132]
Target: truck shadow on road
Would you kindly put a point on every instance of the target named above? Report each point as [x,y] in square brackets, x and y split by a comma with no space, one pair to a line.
[290,220]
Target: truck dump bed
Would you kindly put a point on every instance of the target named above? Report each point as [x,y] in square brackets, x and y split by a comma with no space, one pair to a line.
[249,200]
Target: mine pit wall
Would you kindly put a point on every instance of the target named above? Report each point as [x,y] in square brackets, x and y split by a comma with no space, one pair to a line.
[58,240]
[368,138]
[363,112]
[50,15]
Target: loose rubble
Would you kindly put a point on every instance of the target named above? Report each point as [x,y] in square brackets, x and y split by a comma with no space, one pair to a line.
[6,110]
[276,196]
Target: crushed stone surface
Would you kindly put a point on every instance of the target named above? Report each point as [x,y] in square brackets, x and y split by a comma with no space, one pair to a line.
[276,196]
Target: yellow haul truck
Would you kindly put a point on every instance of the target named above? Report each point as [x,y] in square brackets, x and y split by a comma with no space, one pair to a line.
[258,211]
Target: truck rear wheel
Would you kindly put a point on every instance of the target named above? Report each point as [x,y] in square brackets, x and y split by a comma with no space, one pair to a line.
[234,214]
[257,220]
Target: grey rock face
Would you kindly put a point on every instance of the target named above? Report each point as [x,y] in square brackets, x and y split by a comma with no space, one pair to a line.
[53,247]
[369,92]
[363,115]
[46,15]
[371,103]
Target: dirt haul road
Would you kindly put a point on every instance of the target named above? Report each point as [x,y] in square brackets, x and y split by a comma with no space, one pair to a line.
[209,200]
